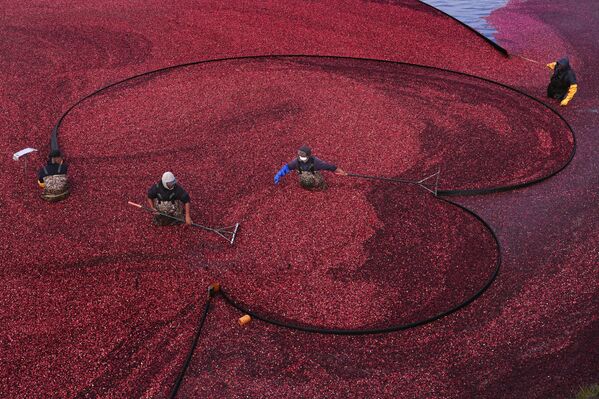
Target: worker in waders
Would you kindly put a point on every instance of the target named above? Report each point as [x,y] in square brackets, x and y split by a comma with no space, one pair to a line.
[52,178]
[308,168]
[563,83]
[169,198]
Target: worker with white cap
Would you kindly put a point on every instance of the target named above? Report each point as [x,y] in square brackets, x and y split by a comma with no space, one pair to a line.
[169,198]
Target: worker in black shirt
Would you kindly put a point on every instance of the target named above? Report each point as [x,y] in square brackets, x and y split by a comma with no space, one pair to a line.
[170,198]
[52,177]
[563,84]
[308,168]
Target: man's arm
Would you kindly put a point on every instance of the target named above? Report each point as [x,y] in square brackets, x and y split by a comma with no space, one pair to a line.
[150,203]
[282,172]
[571,91]
[319,164]
[184,197]
[151,197]
[40,178]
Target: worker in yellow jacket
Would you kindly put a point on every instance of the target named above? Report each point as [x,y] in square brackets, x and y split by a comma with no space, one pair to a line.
[563,83]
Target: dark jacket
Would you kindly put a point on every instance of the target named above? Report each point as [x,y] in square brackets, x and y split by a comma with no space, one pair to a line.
[51,169]
[313,164]
[158,191]
[561,80]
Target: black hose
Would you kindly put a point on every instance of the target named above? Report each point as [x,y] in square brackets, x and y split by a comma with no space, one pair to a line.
[213,290]
[394,328]
[181,375]
[56,129]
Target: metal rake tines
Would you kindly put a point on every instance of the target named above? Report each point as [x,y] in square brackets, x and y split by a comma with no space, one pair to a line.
[221,231]
[425,182]
[228,233]
[433,188]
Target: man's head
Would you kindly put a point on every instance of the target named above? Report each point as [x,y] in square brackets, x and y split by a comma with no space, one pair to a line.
[563,64]
[304,153]
[55,156]
[168,180]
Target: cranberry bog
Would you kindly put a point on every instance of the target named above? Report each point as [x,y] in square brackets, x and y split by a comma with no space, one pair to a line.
[369,289]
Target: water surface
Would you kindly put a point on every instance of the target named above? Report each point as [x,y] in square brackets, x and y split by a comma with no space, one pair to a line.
[471,12]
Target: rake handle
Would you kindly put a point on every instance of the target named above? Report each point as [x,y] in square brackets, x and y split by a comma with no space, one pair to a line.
[382,178]
[145,208]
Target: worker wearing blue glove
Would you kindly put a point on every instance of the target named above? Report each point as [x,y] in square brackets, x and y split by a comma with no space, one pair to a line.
[308,168]
[282,172]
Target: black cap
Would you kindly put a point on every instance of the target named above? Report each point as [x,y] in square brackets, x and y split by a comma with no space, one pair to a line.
[55,154]
[306,150]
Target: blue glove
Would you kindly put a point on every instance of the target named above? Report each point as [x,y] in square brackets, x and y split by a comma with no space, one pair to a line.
[284,170]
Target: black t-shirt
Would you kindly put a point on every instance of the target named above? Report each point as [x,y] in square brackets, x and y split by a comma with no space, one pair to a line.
[52,169]
[158,191]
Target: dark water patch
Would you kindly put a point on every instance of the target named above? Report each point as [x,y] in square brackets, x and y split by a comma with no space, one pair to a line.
[471,12]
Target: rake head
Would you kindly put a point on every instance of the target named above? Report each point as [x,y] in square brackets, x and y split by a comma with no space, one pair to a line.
[228,233]
[431,183]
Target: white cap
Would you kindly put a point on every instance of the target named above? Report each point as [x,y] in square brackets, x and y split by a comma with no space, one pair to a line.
[168,177]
